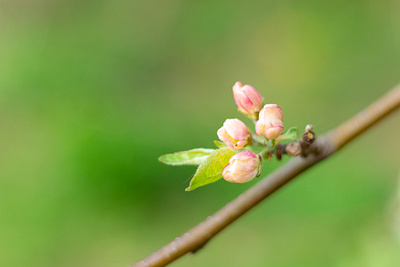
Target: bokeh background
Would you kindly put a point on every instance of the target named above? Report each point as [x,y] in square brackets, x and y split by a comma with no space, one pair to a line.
[93,92]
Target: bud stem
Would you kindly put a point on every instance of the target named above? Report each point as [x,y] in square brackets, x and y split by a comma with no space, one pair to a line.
[264,154]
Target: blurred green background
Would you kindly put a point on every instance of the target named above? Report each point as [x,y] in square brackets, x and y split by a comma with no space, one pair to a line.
[93,92]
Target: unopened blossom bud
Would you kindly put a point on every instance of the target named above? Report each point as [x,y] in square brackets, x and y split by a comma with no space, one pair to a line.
[270,122]
[234,133]
[242,167]
[248,99]
[309,128]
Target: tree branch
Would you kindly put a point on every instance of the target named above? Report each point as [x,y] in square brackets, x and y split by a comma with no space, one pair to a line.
[324,146]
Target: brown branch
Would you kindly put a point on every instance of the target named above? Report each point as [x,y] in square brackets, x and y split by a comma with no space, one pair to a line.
[324,146]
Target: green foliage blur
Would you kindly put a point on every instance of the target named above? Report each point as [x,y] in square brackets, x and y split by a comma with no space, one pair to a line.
[93,92]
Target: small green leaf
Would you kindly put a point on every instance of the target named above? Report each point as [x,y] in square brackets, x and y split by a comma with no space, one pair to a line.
[219,144]
[211,169]
[290,135]
[189,157]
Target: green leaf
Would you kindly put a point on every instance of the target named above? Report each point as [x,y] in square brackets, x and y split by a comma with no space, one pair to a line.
[211,169]
[219,144]
[189,157]
[290,135]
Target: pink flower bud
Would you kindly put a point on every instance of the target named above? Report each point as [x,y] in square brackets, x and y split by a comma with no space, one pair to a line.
[248,99]
[234,133]
[242,167]
[270,122]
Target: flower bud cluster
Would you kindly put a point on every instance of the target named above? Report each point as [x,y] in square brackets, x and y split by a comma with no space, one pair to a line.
[245,165]
[239,158]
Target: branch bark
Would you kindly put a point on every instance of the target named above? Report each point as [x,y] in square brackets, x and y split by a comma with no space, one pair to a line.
[324,146]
